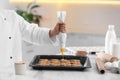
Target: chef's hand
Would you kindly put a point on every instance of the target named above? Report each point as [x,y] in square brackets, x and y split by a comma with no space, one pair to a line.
[60,27]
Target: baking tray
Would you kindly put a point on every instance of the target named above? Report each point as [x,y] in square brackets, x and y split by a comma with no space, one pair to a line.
[85,63]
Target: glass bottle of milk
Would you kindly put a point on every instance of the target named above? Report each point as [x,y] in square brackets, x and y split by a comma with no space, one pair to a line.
[110,39]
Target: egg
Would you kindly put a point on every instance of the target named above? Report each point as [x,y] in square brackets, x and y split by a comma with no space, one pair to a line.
[108,65]
[115,64]
[115,67]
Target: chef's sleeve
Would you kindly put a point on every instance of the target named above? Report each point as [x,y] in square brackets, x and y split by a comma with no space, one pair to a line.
[34,34]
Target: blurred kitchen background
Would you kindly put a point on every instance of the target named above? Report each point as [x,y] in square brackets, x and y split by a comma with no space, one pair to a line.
[87,21]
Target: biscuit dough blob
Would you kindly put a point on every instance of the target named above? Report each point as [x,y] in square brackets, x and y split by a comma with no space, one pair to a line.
[62,51]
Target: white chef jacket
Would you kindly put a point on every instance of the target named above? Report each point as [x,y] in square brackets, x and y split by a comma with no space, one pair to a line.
[14,29]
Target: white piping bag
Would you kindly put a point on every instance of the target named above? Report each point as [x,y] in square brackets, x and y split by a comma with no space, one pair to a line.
[61,17]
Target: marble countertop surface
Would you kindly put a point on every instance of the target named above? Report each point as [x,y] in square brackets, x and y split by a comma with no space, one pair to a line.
[90,74]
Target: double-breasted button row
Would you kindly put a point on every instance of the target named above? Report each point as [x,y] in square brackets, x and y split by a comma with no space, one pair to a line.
[10,57]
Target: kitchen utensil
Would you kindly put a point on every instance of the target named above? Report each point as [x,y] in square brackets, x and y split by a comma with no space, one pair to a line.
[106,57]
[116,49]
[84,63]
[61,17]
[20,68]
[100,66]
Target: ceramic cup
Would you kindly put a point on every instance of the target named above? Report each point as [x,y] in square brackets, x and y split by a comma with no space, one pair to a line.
[20,68]
[116,50]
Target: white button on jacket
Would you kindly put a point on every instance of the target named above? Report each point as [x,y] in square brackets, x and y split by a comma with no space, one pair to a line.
[14,29]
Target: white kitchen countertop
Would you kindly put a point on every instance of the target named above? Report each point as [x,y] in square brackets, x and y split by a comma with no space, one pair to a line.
[90,74]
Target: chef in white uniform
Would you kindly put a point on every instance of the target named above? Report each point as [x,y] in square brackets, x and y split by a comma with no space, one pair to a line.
[14,29]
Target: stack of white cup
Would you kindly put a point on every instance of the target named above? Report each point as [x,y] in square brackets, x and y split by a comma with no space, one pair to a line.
[20,68]
[116,49]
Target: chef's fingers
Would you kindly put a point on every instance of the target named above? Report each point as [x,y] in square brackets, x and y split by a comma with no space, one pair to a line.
[61,23]
[62,27]
[56,29]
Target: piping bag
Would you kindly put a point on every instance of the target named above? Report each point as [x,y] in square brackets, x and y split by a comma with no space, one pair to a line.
[62,36]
